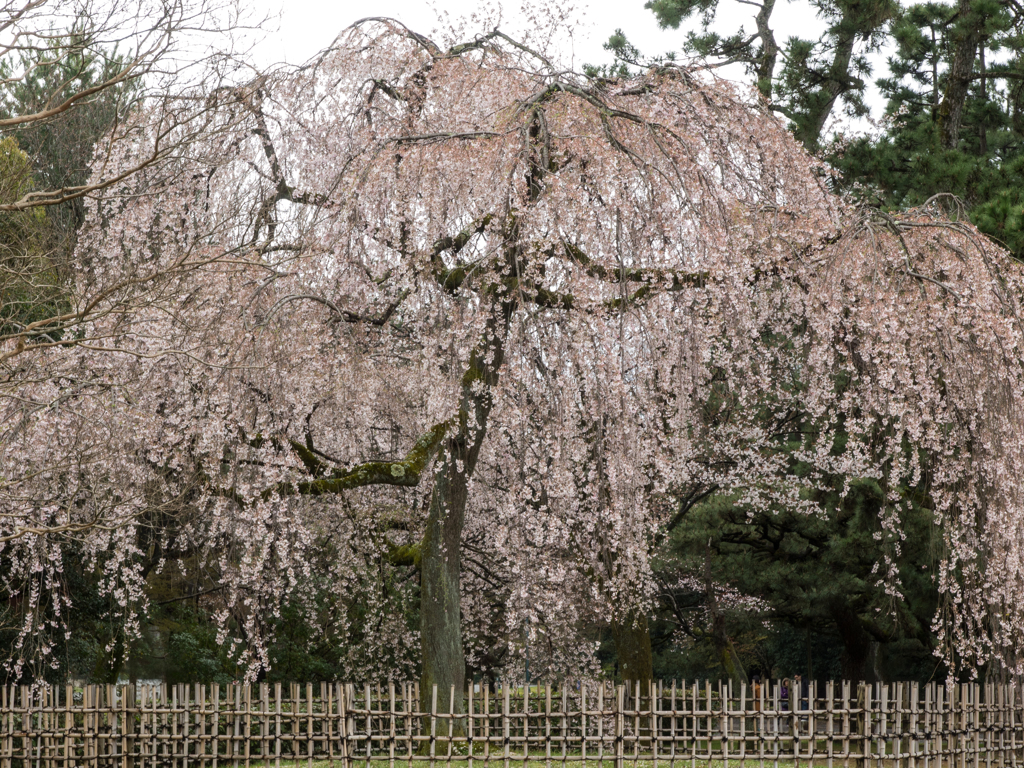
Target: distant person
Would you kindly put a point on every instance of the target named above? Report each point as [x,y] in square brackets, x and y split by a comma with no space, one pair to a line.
[784,695]
[801,691]
[756,680]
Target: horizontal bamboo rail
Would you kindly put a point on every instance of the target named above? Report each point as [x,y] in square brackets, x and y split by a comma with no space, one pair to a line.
[663,725]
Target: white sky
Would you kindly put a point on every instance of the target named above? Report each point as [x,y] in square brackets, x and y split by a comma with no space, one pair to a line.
[302,28]
[308,26]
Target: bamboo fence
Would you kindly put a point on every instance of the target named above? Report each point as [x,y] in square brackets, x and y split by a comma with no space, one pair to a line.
[662,725]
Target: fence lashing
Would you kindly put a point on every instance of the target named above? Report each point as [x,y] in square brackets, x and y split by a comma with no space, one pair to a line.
[660,725]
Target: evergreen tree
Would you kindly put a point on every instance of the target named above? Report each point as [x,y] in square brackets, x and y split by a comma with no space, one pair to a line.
[803,79]
[61,147]
[821,573]
[30,283]
[954,122]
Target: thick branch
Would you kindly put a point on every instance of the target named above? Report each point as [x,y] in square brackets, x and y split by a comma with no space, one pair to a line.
[405,473]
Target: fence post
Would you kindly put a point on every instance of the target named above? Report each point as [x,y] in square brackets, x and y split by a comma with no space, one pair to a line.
[128,726]
[343,725]
[620,692]
[963,726]
[861,724]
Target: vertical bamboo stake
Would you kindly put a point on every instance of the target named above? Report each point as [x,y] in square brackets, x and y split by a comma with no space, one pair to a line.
[960,723]
[451,726]
[69,724]
[1001,716]
[310,742]
[470,720]
[124,727]
[526,721]
[263,722]
[566,731]
[144,727]
[1013,695]
[368,696]
[392,730]
[343,725]
[894,729]
[411,703]
[201,721]
[181,716]
[883,729]
[234,696]
[942,744]
[962,736]
[433,723]
[657,701]
[620,693]
[944,732]
[693,723]
[504,720]
[975,717]
[930,726]
[277,725]
[485,690]
[956,722]
[762,732]
[812,721]
[707,720]
[672,724]
[547,725]
[989,691]
[215,722]
[636,725]
[583,723]
[830,721]
[913,720]
[996,715]
[743,704]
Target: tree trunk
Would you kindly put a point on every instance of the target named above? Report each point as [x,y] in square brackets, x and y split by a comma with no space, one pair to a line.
[854,25]
[632,637]
[857,645]
[769,50]
[839,81]
[724,647]
[965,42]
[444,660]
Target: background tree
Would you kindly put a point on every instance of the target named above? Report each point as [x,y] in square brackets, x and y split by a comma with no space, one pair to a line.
[61,146]
[30,276]
[571,301]
[952,122]
[802,79]
[820,573]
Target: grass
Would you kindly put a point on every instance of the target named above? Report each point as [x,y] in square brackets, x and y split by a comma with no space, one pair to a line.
[535,760]
[573,761]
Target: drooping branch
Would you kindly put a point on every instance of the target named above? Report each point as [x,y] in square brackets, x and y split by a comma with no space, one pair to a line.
[405,473]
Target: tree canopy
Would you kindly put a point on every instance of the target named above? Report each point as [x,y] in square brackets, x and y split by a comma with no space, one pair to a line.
[419,294]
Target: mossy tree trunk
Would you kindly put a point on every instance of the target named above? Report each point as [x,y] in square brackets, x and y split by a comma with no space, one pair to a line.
[444,660]
[632,637]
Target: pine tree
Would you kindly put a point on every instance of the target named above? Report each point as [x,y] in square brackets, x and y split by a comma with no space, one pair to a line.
[803,79]
[954,121]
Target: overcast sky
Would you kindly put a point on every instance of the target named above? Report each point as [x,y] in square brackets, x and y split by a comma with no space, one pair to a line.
[300,29]
[307,26]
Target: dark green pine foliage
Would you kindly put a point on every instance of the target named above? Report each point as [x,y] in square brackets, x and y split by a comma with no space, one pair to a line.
[36,245]
[803,79]
[955,117]
[61,148]
[820,573]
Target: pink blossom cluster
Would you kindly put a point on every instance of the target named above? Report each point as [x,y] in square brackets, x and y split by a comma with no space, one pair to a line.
[653,278]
